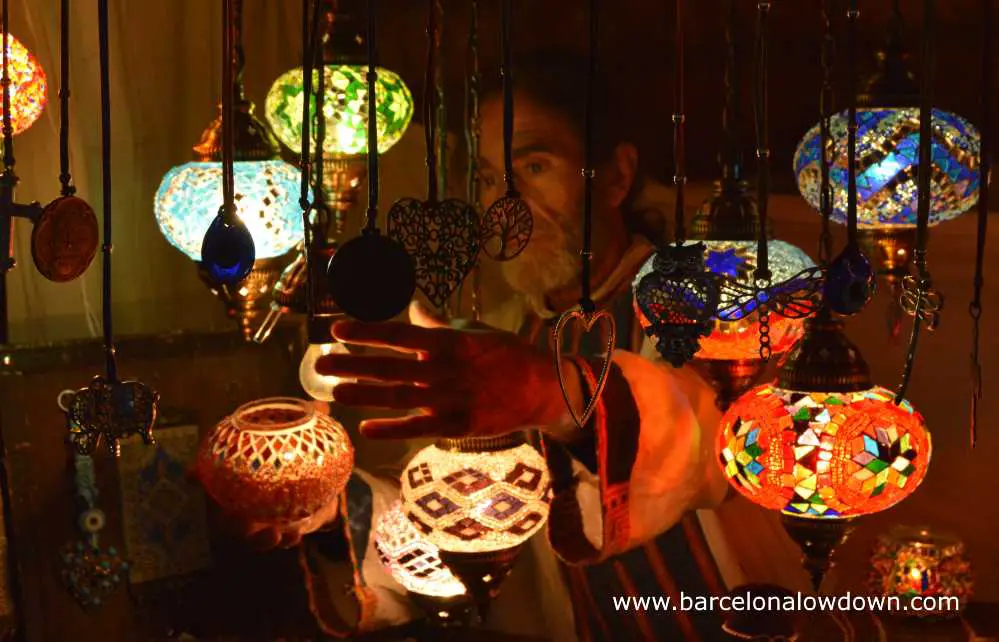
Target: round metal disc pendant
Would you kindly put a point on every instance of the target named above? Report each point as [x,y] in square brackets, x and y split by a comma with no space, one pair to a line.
[372,278]
[65,239]
[506,228]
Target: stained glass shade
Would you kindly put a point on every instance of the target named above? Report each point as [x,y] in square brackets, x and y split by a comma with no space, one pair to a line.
[823,455]
[267,192]
[739,339]
[28,87]
[345,108]
[472,502]
[887,163]
[412,561]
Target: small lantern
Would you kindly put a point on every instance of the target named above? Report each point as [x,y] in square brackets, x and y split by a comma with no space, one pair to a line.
[275,460]
[416,565]
[910,562]
[478,500]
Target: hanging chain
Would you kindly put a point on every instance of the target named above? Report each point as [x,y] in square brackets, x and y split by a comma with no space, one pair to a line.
[761,275]
[984,168]
[827,109]
[442,146]
[102,28]
[373,180]
[679,170]
[65,179]
[918,298]
[429,104]
[586,302]
[473,133]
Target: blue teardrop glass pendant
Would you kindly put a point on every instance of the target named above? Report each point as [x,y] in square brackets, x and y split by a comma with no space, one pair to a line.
[850,282]
[228,252]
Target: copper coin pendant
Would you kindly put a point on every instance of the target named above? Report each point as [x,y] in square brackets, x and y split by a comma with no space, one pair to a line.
[65,239]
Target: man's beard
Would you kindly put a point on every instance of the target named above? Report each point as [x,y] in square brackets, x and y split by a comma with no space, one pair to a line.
[548,264]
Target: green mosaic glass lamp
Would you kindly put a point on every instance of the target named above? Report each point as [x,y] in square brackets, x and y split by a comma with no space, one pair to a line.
[888,161]
[345,144]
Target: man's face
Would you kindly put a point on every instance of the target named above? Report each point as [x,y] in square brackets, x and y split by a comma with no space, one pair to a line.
[548,158]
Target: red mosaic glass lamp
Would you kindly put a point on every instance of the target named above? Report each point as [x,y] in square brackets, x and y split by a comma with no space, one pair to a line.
[823,445]
[28,86]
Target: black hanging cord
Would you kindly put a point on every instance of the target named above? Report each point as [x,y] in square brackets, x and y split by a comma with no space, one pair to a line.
[102,26]
[827,108]
[472,133]
[984,169]
[8,127]
[228,53]
[923,202]
[441,108]
[679,170]
[372,215]
[305,157]
[762,272]
[65,178]
[320,214]
[430,103]
[731,159]
[852,17]
[589,172]
[507,71]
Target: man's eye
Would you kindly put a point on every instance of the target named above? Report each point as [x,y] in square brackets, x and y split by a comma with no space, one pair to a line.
[487,181]
[535,168]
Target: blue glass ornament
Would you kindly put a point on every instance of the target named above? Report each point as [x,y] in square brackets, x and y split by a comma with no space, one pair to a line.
[850,282]
[228,251]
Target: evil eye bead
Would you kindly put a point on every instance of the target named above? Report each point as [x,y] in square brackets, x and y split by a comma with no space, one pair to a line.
[92,521]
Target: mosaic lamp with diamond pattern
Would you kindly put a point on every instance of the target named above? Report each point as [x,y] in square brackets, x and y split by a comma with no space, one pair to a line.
[888,162]
[823,445]
[478,500]
[275,461]
[345,105]
[267,192]
[416,565]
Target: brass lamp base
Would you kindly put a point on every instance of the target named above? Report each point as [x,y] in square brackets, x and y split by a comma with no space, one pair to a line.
[444,612]
[817,538]
[249,300]
[730,378]
[890,251]
[482,574]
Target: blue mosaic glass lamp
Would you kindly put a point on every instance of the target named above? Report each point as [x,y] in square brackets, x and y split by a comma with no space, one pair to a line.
[266,197]
[888,160]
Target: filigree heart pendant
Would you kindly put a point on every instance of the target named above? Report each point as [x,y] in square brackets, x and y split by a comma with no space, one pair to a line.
[443,239]
[91,574]
[584,323]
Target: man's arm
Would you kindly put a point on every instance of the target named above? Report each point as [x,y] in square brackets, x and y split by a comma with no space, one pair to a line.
[653,433]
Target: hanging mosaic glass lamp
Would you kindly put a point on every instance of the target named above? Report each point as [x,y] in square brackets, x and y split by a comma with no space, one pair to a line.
[728,224]
[266,197]
[823,445]
[478,500]
[345,105]
[28,86]
[888,158]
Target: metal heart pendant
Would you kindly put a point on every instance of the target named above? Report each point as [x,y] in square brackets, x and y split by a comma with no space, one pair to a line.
[443,239]
[921,301]
[679,298]
[506,228]
[111,411]
[588,320]
[91,574]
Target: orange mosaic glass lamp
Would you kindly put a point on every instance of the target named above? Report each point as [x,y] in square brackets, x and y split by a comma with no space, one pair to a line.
[823,445]
[28,86]
[275,460]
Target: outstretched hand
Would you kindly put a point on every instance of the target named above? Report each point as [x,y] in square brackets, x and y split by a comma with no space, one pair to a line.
[463,380]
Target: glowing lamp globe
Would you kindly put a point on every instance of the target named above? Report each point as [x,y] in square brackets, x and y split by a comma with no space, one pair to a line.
[318,386]
[266,197]
[275,460]
[915,562]
[738,339]
[412,561]
[824,455]
[28,86]
[888,161]
[345,109]
[472,501]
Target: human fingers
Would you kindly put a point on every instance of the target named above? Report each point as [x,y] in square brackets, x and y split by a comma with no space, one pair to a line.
[394,396]
[423,317]
[413,427]
[389,369]
[290,538]
[396,336]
